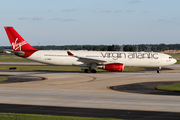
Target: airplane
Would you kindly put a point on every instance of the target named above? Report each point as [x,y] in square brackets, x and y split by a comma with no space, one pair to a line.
[107,60]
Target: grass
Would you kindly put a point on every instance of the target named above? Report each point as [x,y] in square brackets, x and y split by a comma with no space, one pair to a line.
[13,116]
[3,78]
[172,87]
[15,60]
[133,69]
[8,56]
[42,68]
[58,68]
[178,62]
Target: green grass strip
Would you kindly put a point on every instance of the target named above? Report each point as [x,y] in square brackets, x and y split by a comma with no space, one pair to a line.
[42,68]
[172,87]
[178,62]
[15,60]
[3,78]
[59,68]
[9,56]
[133,69]
[13,116]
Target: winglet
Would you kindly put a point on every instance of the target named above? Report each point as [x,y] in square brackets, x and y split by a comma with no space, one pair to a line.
[69,53]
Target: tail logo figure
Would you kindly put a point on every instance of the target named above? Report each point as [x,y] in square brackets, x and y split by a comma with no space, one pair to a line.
[17,46]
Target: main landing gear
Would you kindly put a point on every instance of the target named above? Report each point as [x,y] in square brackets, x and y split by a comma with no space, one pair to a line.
[89,70]
[158,69]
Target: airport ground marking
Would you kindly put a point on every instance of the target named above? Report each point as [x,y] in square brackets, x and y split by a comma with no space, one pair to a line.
[94,78]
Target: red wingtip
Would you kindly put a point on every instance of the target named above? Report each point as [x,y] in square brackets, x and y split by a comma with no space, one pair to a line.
[69,53]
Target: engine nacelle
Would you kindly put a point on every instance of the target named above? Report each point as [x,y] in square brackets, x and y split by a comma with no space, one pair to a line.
[115,67]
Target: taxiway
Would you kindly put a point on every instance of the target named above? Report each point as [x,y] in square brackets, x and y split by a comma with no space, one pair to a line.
[77,89]
[88,90]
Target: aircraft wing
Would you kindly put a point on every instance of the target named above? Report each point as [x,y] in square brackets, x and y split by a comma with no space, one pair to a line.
[88,59]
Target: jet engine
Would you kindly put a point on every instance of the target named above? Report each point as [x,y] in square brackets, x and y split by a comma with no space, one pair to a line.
[115,67]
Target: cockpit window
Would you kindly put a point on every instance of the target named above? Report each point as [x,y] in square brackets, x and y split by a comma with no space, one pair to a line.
[170,57]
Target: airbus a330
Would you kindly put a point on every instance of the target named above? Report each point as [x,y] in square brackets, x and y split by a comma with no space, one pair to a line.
[107,60]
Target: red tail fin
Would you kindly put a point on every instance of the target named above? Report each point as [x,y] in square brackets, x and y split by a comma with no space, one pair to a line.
[18,43]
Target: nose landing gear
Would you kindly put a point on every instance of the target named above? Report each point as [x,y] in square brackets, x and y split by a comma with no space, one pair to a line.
[158,69]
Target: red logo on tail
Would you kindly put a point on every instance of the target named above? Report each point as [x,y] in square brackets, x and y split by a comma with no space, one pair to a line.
[17,46]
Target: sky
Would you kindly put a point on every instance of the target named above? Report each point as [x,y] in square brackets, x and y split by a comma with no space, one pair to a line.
[92,22]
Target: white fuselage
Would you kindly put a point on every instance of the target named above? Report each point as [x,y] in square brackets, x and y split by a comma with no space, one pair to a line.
[140,59]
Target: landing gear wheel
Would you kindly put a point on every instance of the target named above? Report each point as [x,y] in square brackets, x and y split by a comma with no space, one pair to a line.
[86,70]
[89,70]
[159,70]
[93,71]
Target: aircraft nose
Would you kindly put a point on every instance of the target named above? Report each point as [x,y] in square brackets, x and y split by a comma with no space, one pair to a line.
[174,60]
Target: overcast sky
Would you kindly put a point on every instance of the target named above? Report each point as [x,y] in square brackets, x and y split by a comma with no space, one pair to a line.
[92,22]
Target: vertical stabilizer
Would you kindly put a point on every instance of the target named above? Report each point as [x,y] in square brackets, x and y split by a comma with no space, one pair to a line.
[19,45]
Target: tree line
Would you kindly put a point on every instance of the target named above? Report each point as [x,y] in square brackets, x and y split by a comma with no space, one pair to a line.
[138,48]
